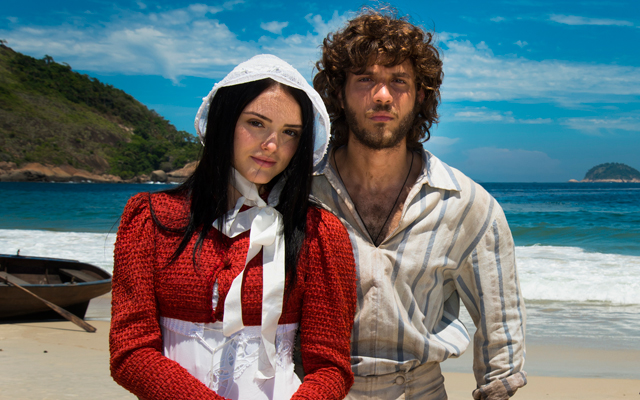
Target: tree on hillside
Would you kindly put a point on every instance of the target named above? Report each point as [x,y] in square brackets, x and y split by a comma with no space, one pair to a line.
[81,121]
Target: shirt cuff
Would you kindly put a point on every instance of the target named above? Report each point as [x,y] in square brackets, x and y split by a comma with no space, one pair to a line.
[501,389]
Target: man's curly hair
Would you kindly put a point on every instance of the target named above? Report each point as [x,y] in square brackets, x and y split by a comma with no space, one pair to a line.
[380,37]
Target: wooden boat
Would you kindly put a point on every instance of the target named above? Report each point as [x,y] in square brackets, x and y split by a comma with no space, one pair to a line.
[69,284]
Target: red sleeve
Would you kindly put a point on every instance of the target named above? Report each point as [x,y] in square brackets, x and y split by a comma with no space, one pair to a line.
[328,309]
[135,339]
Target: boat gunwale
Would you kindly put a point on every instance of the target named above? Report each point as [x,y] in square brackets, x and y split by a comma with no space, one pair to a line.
[66,284]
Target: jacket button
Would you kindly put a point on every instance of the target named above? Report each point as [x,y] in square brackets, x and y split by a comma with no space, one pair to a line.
[399,380]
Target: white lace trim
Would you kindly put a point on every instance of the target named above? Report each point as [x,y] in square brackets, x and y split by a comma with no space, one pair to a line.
[230,356]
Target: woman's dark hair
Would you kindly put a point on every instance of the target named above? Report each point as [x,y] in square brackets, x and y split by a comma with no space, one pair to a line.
[208,186]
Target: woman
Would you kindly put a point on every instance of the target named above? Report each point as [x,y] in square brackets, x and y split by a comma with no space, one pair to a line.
[212,279]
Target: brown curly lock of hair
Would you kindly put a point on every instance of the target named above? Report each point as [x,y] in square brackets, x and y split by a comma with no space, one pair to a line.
[380,37]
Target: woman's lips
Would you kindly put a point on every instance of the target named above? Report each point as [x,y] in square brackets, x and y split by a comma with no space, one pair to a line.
[263,162]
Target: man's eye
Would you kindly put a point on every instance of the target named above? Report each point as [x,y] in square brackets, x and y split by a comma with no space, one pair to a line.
[364,79]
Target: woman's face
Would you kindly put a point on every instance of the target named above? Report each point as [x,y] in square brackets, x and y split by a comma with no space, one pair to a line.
[267,135]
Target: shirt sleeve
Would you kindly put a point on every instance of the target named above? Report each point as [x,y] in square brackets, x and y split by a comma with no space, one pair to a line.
[497,308]
[135,338]
[327,312]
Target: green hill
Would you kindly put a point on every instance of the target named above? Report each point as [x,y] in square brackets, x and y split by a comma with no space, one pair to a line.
[53,115]
[612,172]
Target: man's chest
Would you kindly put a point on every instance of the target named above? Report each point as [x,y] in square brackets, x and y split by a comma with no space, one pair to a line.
[380,213]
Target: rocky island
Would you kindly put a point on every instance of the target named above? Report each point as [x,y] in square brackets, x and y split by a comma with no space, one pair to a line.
[611,172]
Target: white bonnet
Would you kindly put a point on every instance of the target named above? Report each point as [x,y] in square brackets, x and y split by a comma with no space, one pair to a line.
[269,66]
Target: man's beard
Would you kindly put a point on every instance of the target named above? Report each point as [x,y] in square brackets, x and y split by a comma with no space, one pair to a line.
[375,139]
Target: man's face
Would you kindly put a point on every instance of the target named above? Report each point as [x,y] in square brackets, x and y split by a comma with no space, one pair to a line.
[380,104]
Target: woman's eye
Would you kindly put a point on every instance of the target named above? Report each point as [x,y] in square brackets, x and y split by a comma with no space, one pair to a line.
[255,123]
[291,133]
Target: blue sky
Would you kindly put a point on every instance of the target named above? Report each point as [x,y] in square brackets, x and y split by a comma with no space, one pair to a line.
[533,90]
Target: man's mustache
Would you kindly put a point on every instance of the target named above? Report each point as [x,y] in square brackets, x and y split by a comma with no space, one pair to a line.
[384,108]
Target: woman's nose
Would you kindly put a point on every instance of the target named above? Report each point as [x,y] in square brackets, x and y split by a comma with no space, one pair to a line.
[270,144]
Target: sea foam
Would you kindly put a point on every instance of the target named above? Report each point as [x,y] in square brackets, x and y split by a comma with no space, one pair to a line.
[572,274]
[546,272]
[92,248]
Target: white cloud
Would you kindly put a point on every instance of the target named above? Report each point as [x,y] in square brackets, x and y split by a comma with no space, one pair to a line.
[498,19]
[302,51]
[483,114]
[535,121]
[323,28]
[448,36]
[440,144]
[443,141]
[195,41]
[274,27]
[473,72]
[228,5]
[479,116]
[577,20]
[491,164]
[187,41]
[521,43]
[596,126]
[172,43]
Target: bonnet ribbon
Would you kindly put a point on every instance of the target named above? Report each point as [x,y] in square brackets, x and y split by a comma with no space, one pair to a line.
[266,225]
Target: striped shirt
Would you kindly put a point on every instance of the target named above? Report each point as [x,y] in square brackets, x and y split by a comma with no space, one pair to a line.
[452,244]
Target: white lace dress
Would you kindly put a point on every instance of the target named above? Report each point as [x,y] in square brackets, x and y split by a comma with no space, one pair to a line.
[228,365]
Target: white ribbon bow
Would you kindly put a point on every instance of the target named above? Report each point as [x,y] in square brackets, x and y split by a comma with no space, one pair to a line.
[266,225]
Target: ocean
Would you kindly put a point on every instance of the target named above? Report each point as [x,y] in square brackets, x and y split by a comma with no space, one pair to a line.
[578,259]
[577,247]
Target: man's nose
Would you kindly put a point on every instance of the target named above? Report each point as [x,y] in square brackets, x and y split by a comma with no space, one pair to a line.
[381,94]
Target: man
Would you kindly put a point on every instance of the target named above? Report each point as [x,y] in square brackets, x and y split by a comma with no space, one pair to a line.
[424,235]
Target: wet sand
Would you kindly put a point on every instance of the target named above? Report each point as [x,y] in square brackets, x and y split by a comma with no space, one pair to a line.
[58,360]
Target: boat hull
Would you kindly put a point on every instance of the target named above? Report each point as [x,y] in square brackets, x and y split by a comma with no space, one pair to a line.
[66,283]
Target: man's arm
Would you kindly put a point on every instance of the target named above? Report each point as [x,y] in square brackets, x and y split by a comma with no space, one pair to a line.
[489,288]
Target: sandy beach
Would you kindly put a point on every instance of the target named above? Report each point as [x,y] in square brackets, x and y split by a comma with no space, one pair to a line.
[560,372]
[58,360]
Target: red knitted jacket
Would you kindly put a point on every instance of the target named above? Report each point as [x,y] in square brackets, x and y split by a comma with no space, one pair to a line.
[145,288]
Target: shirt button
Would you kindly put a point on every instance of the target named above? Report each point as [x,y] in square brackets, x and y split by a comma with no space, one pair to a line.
[400,380]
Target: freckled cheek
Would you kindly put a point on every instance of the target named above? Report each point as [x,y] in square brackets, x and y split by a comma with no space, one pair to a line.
[244,138]
[243,144]
[288,150]
[243,134]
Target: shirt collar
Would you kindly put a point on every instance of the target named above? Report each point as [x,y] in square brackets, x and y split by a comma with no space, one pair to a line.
[435,173]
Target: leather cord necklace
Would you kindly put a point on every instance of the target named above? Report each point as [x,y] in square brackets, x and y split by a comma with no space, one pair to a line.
[392,207]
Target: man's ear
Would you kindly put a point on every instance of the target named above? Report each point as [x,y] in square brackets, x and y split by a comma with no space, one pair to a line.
[341,100]
[420,96]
